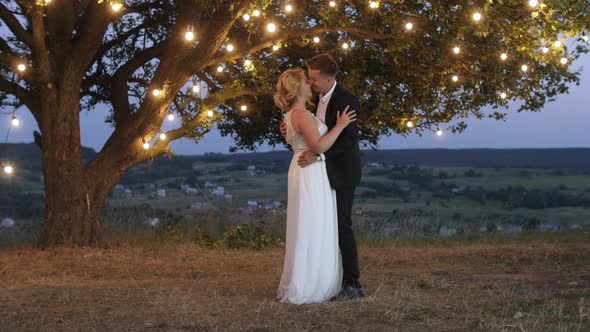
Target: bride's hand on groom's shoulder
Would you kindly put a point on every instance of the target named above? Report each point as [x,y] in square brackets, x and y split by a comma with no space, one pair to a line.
[345,117]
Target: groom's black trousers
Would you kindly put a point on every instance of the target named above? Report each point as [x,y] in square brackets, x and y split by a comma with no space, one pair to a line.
[346,239]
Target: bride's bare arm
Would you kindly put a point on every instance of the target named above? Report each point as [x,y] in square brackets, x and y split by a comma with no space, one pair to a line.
[304,123]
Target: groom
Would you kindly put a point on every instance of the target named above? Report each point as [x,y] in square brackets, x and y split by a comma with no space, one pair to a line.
[343,162]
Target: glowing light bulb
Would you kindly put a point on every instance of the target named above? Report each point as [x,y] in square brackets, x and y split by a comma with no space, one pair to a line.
[271,27]
[21,67]
[288,8]
[533,3]
[345,46]
[456,49]
[439,132]
[374,4]
[410,124]
[229,48]
[196,88]
[189,35]
[275,47]
[557,44]
[316,39]
[256,13]
[247,63]
[146,146]
[162,136]
[244,108]
[156,92]
[409,26]
[117,6]
[504,56]
[8,169]
[47,1]
[476,17]
[455,78]
[170,117]
[219,69]
[246,17]
[563,61]
[15,121]
[332,3]
[545,50]
[585,38]
[524,68]
[503,95]
[209,113]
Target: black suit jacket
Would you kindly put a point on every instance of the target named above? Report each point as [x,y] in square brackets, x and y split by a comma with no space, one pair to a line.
[343,159]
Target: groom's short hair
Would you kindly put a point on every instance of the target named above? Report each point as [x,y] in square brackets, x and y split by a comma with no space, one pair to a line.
[325,63]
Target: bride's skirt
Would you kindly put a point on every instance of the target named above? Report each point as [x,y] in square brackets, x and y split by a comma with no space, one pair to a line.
[312,271]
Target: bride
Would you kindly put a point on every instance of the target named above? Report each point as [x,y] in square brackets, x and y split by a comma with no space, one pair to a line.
[312,270]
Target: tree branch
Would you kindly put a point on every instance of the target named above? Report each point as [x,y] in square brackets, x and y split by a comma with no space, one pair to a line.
[15,26]
[22,94]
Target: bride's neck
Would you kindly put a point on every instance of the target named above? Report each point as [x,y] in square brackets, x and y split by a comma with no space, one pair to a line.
[299,103]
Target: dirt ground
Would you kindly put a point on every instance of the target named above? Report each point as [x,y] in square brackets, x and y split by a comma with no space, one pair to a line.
[532,286]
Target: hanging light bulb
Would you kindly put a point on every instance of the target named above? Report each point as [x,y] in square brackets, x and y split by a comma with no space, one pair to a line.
[545,49]
[47,1]
[585,38]
[557,44]
[503,95]
[156,92]
[15,121]
[146,145]
[246,17]
[163,136]
[209,113]
[332,3]
[410,124]
[316,39]
[455,78]
[503,56]
[374,4]
[288,8]
[524,68]
[116,6]
[170,117]
[8,169]
[563,61]
[275,47]
[21,67]
[247,63]
[219,69]
[477,17]
[456,49]
[533,3]
[189,35]
[256,13]
[244,108]
[345,46]
[196,88]
[229,48]
[271,27]
[439,132]
[409,26]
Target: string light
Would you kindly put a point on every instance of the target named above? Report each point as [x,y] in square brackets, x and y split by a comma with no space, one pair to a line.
[244,108]
[275,47]
[162,136]
[545,49]
[557,44]
[345,46]
[47,1]
[503,56]
[219,69]
[374,4]
[439,132]
[8,169]
[524,68]
[410,124]
[563,61]
[256,13]
[585,38]
[455,78]
[503,95]
[156,92]
[146,145]
[21,67]
[117,6]
[456,49]
[533,3]
[15,122]
[332,3]
[170,117]
[246,17]
[477,17]
[209,113]
[229,48]
[409,26]
[316,39]
[196,88]
[247,63]
[271,27]
[189,35]
[288,8]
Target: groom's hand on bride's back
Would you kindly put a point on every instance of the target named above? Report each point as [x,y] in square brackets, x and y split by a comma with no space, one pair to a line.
[306,158]
[284,129]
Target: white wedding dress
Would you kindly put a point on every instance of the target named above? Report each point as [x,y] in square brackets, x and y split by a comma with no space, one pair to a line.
[312,271]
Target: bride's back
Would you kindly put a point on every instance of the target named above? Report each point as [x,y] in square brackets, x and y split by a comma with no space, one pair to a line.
[295,139]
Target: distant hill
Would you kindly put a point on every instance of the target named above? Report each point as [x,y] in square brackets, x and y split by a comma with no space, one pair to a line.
[568,159]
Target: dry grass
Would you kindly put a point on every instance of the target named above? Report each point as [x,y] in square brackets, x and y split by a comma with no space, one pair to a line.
[153,286]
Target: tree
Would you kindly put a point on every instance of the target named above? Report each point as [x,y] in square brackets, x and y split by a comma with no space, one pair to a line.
[204,60]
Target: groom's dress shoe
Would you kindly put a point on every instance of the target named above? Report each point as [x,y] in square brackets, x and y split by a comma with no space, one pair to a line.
[350,292]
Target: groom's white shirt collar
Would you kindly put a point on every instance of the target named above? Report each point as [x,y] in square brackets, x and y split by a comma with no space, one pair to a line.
[325,98]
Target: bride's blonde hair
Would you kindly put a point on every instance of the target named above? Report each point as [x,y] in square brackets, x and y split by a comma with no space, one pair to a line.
[288,88]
